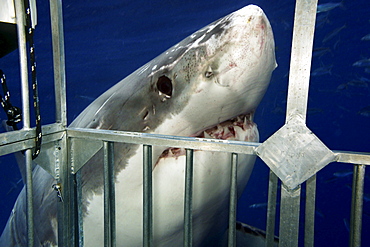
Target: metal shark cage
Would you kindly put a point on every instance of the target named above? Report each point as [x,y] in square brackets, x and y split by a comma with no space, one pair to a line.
[294,154]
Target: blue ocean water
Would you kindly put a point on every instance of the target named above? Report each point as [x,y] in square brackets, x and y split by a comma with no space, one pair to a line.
[107,40]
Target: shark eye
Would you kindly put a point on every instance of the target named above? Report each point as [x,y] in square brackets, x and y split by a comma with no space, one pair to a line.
[164,85]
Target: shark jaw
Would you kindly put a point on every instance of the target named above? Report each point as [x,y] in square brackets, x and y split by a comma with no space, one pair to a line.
[240,128]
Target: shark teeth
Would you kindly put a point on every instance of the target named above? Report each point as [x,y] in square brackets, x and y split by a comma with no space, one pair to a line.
[206,135]
[240,128]
[240,134]
[245,121]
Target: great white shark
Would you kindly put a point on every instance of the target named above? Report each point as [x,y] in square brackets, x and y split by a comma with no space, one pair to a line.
[208,85]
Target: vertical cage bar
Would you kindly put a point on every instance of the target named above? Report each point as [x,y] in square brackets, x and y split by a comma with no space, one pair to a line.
[56,16]
[79,229]
[75,206]
[271,209]
[109,196]
[188,199]
[289,216]
[356,205]
[147,200]
[29,196]
[77,238]
[233,201]
[300,62]
[21,31]
[70,227]
[21,23]
[309,227]
[65,210]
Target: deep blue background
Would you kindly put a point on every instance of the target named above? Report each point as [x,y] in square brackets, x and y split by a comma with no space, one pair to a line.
[107,40]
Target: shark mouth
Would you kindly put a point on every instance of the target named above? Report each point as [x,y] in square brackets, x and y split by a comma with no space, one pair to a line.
[240,128]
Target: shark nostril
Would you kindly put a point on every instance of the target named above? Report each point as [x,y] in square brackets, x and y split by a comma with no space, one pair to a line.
[208,74]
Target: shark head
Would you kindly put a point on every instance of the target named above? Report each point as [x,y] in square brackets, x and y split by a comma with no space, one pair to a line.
[208,85]
[217,73]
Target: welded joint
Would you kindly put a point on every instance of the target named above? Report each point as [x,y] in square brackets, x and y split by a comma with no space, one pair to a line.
[294,153]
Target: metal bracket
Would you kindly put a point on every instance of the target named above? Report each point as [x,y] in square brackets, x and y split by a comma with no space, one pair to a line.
[294,153]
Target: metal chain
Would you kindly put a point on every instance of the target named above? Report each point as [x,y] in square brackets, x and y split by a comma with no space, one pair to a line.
[14,113]
[36,105]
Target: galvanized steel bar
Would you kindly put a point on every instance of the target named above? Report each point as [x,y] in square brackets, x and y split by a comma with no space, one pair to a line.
[80,225]
[67,220]
[29,196]
[352,157]
[356,205]
[75,212]
[299,75]
[70,226]
[233,200]
[194,143]
[148,197]
[56,16]
[76,217]
[22,40]
[271,209]
[300,62]
[109,196]
[310,212]
[188,199]
[21,23]
[19,140]
[165,140]
[289,216]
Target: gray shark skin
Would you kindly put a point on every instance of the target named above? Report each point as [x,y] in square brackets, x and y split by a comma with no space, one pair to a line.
[208,85]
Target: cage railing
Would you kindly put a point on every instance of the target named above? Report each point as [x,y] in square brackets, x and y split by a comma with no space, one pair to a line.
[59,159]
[81,138]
